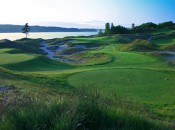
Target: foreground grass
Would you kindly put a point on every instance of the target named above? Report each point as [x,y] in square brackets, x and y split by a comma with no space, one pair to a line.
[80,110]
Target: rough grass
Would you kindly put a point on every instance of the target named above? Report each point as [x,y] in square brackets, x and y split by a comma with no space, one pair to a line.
[86,109]
[170,47]
[86,58]
[165,41]
[70,50]
[24,45]
[57,41]
[139,45]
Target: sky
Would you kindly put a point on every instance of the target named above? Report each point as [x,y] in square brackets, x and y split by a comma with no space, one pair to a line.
[85,13]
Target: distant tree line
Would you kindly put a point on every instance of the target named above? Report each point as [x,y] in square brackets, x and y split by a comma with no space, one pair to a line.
[148,27]
[17,29]
[143,28]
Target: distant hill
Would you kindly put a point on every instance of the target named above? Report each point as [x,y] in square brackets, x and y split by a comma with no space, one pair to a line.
[17,28]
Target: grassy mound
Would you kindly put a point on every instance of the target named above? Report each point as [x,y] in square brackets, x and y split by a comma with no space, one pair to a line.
[57,41]
[86,58]
[70,50]
[170,47]
[139,45]
[7,58]
[126,38]
[24,45]
[9,44]
[31,45]
[23,62]
[121,38]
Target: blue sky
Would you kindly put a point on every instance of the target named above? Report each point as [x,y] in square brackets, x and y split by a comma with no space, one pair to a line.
[86,13]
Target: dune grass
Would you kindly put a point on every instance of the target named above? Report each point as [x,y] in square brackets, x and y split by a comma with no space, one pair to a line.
[23,45]
[139,46]
[86,109]
[89,58]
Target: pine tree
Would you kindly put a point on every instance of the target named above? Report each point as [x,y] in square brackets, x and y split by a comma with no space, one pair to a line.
[107,28]
[112,29]
[26,29]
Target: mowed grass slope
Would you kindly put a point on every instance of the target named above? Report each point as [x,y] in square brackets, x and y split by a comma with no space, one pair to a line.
[6,57]
[132,75]
[15,57]
[146,86]
[27,62]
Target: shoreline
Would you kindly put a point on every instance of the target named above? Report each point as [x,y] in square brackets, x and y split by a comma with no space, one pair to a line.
[44,35]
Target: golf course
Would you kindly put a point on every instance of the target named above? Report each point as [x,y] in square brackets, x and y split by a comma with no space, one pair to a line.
[114,81]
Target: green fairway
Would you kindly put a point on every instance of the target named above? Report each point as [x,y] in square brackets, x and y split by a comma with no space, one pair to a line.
[126,58]
[146,86]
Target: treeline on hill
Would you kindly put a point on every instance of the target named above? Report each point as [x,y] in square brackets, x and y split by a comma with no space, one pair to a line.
[17,28]
[143,28]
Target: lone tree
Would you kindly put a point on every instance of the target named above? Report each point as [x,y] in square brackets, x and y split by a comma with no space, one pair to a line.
[26,29]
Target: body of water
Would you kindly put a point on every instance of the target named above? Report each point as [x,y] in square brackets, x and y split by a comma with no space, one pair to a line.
[45,35]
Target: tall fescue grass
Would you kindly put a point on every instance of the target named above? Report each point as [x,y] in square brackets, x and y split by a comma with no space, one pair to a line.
[83,109]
